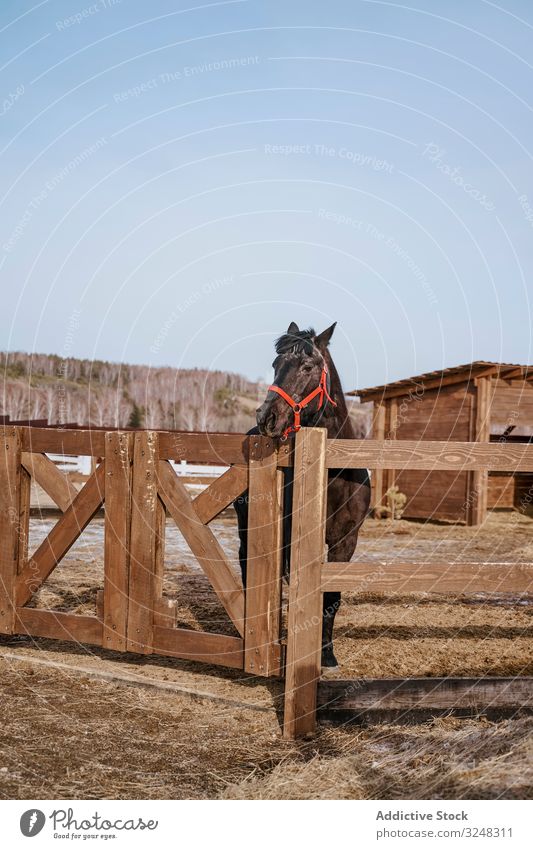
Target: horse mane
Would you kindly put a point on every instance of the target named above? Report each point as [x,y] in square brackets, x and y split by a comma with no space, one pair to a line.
[297,343]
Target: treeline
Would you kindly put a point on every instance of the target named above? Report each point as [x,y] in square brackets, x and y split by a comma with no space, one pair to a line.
[96,392]
[100,393]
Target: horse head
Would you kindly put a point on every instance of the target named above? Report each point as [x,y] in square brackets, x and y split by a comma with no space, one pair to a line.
[300,394]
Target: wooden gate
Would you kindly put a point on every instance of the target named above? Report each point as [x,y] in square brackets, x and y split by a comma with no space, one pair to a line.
[137,486]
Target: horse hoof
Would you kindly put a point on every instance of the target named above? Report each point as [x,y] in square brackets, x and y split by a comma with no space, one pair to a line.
[329,661]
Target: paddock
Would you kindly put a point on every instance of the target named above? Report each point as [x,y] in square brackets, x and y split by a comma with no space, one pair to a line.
[480,402]
[138,488]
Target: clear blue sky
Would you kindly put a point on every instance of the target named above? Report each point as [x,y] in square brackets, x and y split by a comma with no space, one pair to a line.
[180,180]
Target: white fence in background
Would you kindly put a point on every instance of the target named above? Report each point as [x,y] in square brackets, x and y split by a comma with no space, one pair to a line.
[185,469]
[69,463]
[82,465]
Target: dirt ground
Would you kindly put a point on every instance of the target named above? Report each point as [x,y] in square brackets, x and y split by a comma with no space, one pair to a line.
[67,734]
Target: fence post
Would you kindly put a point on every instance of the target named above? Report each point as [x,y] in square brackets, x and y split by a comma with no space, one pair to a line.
[262,649]
[304,635]
[478,490]
[10,455]
[143,538]
[118,459]
[378,476]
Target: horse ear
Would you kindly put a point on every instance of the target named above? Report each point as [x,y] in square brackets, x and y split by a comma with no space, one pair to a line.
[293,328]
[322,341]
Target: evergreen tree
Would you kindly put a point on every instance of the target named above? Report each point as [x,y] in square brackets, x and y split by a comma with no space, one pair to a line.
[136,416]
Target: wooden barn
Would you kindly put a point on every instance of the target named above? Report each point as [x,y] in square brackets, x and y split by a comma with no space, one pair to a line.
[480,401]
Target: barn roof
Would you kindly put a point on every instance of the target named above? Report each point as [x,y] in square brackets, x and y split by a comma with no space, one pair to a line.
[445,377]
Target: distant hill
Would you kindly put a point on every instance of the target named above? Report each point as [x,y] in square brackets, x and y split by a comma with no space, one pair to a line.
[46,386]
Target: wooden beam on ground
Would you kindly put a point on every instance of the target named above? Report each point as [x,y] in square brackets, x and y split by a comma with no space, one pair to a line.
[118,460]
[305,599]
[10,454]
[426,577]
[48,440]
[59,626]
[219,494]
[217,649]
[47,475]
[406,694]
[429,456]
[126,679]
[62,537]
[143,543]
[202,543]
[262,655]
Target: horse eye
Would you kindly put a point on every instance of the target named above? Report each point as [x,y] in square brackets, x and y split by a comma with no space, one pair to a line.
[307,368]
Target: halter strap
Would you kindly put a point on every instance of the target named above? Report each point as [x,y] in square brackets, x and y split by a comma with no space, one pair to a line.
[298,406]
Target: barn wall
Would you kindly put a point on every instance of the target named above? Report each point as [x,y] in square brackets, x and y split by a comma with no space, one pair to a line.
[502,491]
[508,492]
[512,404]
[444,414]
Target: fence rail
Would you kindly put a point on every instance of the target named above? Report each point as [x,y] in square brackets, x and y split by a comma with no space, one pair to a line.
[135,478]
[429,456]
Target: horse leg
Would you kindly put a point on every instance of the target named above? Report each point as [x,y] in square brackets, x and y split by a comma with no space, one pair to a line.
[331,603]
[241,508]
[337,553]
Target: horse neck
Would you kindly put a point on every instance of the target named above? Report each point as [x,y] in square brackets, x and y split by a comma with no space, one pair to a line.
[336,419]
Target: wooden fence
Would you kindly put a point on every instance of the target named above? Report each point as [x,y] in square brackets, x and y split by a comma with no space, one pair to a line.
[311,575]
[138,487]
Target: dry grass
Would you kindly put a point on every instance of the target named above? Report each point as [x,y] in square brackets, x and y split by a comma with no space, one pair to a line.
[447,759]
[69,736]
[65,735]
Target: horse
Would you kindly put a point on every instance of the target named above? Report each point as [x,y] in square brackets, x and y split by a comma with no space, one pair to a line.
[307,392]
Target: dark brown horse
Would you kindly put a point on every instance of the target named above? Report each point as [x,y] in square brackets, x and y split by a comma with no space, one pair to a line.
[303,364]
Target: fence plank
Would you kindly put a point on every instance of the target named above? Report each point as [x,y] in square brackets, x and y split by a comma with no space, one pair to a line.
[62,537]
[202,543]
[477,501]
[24,517]
[429,456]
[395,577]
[9,524]
[305,599]
[59,626]
[42,440]
[378,481]
[220,449]
[47,475]
[159,566]
[217,649]
[118,459]
[262,654]
[425,694]
[143,543]
[221,493]
[165,612]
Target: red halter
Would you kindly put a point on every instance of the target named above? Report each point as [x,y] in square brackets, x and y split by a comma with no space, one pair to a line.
[321,390]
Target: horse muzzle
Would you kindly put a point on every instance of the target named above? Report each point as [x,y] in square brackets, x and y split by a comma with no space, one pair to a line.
[270,421]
